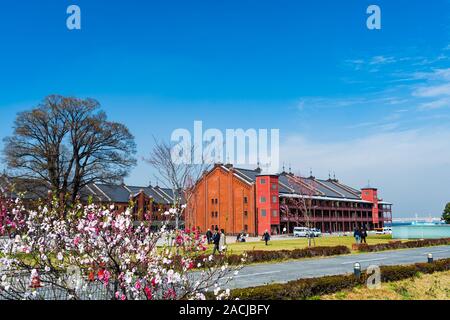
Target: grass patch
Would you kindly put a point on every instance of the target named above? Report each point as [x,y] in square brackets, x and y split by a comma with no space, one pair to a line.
[304,289]
[299,243]
[434,286]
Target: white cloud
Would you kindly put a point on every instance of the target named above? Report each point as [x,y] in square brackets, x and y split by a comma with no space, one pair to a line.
[358,64]
[324,102]
[433,91]
[437,74]
[436,104]
[411,168]
[377,60]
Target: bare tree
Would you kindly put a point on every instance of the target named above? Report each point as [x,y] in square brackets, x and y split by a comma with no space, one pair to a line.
[303,201]
[67,143]
[178,176]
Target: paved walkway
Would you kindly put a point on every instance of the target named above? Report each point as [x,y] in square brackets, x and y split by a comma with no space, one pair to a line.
[256,275]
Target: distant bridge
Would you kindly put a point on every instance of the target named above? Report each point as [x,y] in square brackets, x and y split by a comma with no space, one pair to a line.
[417,219]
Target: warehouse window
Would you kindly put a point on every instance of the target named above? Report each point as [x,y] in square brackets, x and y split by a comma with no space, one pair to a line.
[274,186]
[274,199]
[263,181]
[274,213]
[245,200]
[263,213]
[263,200]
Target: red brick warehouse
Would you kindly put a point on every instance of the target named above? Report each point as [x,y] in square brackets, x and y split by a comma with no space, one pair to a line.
[246,200]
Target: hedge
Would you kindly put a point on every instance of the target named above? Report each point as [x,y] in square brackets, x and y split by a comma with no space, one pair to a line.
[403,245]
[256,256]
[307,288]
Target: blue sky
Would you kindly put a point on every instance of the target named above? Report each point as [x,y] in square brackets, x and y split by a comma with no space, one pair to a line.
[369,105]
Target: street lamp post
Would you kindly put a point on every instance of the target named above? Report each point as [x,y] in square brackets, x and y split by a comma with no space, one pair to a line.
[357,270]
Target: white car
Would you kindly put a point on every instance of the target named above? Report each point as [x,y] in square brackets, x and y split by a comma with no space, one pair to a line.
[301,232]
[385,230]
[317,232]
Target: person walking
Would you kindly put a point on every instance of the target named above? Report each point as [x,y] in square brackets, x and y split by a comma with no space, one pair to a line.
[364,235]
[266,237]
[357,235]
[209,236]
[216,241]
[222,241]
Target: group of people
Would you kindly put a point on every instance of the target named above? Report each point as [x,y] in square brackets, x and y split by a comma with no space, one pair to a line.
[218,238]
[241,237]
[360,235]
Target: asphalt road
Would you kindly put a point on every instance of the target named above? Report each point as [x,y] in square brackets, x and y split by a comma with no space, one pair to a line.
[256,275]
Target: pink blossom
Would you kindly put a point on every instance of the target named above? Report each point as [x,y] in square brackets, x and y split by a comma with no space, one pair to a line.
[137,285]
[148,293]
[170,294]
[108,246]
[106,277]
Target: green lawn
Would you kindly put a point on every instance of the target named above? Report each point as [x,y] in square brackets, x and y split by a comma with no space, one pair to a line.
[299,243]
[421,287]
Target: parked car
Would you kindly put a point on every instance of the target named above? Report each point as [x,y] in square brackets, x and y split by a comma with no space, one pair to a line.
[385,230]
[301,232]
[317,232]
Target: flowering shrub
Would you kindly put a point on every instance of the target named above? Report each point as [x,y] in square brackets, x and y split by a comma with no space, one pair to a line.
[92,252]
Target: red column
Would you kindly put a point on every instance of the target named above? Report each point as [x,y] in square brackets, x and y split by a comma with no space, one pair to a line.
[266,193]
[371,195]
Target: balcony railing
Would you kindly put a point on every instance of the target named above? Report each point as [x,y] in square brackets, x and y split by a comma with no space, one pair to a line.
[320,208]
[326,219]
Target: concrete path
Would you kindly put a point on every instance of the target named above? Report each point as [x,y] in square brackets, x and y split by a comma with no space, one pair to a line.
[256,275]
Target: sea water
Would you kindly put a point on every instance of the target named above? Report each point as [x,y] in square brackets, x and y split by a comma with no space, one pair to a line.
[421,231]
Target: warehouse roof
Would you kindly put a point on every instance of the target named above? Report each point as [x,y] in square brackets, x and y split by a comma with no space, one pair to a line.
[98,191]
[291,184]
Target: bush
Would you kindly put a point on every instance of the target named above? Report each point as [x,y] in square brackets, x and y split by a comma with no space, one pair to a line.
[256,256]
[263,256]
[308,288]
[403,245]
